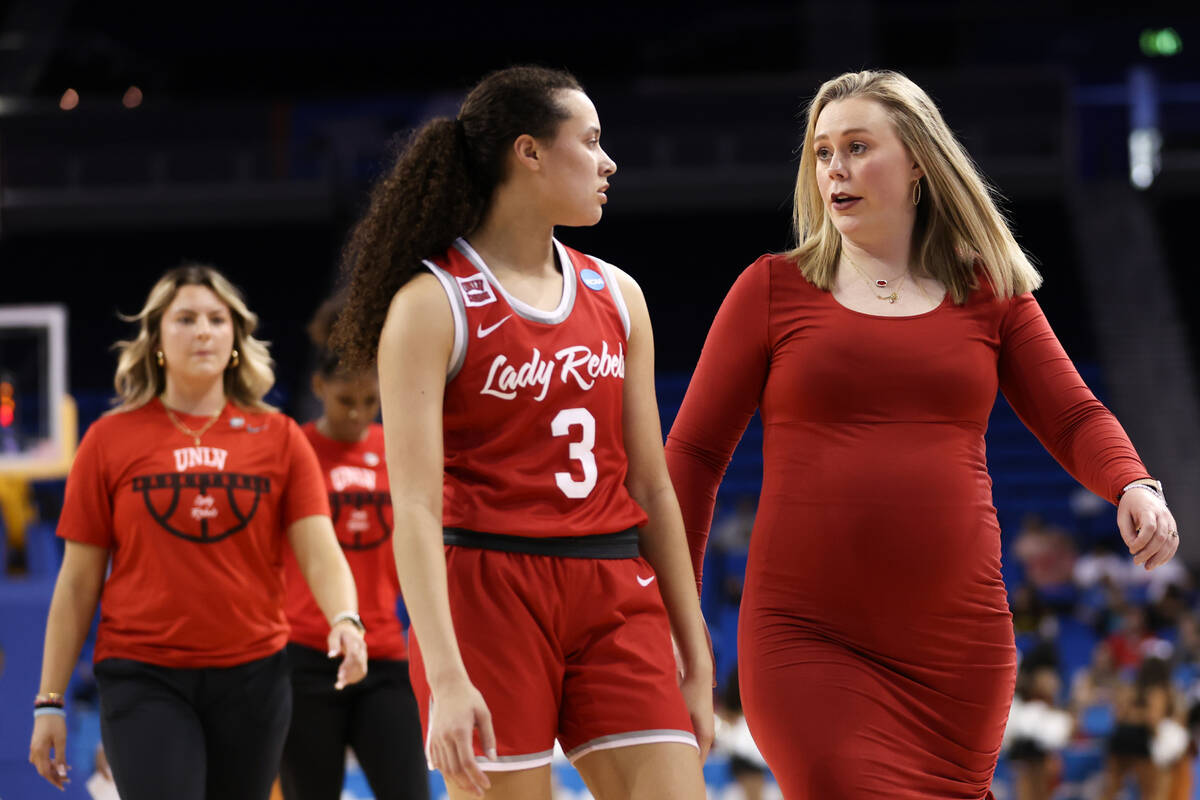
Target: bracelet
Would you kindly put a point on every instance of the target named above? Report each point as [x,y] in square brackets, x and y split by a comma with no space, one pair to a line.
[50,711]
[353,618]
[1155,488]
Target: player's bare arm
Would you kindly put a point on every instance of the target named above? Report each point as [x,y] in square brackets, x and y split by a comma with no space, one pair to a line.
[662,540]
[414,352]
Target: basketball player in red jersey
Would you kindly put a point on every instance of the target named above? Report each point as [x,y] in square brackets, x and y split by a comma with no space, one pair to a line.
[189,486]
[523,434]
[377,717]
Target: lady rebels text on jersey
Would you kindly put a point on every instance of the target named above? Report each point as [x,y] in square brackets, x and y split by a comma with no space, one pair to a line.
[532,417]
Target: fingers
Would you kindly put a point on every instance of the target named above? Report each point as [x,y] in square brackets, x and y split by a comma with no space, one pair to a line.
[1157,539]
[451,735]
[351,646]
[474,779]
[704,735]
[53,769]
[1164,545]
[454,756]
[1146,528]
[487,735]
[1126,525]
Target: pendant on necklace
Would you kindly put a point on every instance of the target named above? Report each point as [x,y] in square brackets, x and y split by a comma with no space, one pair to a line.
[881,283]
[891,298]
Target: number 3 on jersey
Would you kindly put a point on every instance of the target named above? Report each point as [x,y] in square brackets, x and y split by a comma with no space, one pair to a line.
[580,450]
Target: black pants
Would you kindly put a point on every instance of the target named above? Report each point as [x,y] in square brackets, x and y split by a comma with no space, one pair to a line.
[194,734]
[377,717]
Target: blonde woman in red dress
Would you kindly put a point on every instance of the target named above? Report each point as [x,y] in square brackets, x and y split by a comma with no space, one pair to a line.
[875,644]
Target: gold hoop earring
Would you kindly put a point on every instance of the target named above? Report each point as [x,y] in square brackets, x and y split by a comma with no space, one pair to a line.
[916,192]
[234,359]
[160,358]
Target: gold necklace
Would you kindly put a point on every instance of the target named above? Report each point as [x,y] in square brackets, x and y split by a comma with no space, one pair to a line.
[878,282]
[195,434]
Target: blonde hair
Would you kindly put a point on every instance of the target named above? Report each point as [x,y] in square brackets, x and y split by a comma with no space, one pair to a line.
[958,224]
[140,379]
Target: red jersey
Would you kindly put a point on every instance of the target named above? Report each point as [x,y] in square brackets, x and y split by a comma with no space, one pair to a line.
[356,479]
[533,434]
[195,532]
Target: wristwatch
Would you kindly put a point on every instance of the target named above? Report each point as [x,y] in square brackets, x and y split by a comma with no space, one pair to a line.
[353,618]
[1149,484]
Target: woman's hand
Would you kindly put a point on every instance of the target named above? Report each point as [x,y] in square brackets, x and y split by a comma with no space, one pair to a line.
[50,734]
[1148,528]
[346,641]
[698,696]
[456,712]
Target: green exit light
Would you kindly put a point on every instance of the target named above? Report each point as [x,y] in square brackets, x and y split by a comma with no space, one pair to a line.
[1164,42]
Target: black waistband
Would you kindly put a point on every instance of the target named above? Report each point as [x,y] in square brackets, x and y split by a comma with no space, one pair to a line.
[622,544]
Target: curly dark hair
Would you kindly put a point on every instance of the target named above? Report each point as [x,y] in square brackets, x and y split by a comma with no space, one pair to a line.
[438,189]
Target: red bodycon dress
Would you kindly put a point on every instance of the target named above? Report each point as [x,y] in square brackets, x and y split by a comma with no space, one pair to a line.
[876,645]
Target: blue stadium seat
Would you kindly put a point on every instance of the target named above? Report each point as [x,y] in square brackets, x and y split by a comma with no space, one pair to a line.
[1076,641]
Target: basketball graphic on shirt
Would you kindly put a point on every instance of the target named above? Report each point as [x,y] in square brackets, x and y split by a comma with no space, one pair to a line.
[204,507]
[366,523]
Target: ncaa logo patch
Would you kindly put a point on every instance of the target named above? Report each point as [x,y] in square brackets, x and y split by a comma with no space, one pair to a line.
[476,290]
[592,279]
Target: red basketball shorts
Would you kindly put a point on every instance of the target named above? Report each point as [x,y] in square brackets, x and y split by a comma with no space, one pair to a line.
[577,649]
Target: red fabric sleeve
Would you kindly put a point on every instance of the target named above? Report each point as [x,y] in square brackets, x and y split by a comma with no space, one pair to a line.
[1046,392]
[87,512]
[304,495]
[721,398]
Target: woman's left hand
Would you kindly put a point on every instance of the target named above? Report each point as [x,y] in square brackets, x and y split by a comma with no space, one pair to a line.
[698,697]
[1148,528]
[345,641]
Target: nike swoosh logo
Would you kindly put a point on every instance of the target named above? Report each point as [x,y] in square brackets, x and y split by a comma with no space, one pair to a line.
[645,581]
[481,331]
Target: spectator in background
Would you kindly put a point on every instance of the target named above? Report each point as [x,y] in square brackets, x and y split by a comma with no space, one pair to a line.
[1029,615]
[1147,740]
[731,532]
[1046,552]
[1101,564]
[1098,684]
[1037,728]
[1133,640]
[1187,643]
[733,737]
[190,485]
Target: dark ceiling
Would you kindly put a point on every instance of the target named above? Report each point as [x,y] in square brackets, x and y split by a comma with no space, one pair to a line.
[305,48]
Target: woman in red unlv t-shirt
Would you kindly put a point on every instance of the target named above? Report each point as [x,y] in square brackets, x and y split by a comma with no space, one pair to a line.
[189,486]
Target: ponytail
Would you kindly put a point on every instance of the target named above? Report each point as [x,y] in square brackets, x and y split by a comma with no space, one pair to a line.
[416,211]
[438,189]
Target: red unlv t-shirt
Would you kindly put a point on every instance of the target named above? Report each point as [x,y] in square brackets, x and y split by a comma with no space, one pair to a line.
[196,532]
[356,478]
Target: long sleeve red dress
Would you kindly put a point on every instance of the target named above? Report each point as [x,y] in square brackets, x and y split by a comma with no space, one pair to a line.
[875,646]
